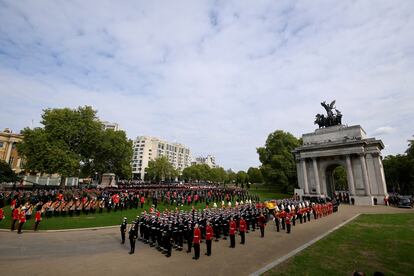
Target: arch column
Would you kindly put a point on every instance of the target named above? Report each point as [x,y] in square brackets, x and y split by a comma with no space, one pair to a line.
[365,174]
[305,175]
[9,149]
[350,175]
[316,173]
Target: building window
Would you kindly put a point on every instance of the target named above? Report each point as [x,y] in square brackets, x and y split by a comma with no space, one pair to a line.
[1,144]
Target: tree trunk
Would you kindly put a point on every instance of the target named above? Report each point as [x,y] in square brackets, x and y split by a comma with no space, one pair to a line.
[62,181]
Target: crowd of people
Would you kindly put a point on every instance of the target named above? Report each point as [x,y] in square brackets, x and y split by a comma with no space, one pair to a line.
[172,229]
[73,201]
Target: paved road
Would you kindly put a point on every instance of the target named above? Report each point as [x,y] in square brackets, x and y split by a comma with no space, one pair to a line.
[98,252]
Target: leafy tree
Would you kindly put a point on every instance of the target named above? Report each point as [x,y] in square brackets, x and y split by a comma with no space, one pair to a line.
[6,173]
[399,173]
[217,175]
[255,175]
[340,178]
[242,177]
[113,154]
[278,163]
[410,150]
[231,176]
[201,172]
[73,140]
[160,169]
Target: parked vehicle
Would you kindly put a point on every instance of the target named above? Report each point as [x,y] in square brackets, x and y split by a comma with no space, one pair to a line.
[405,202]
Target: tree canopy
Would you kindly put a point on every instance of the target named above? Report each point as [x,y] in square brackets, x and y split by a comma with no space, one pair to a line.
[399,171]
[160,169]
[255,175]
[6,173]
[278,163]
[202,172]
[73,140]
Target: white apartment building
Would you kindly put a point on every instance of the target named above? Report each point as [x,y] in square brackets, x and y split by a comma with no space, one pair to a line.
[109,125]
[208,160]
[148,148]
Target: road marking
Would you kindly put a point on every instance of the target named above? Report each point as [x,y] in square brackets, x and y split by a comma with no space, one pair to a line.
[299,249]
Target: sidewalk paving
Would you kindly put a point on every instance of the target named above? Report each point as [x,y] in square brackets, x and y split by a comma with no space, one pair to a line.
[98,252]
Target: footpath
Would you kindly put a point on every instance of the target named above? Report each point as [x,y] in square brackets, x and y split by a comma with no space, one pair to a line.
[98,251]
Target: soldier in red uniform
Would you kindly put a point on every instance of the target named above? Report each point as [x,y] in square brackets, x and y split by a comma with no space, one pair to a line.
[1,214]
[209,236]
[262,224]
[282,217]
[38,218]
[242,229]
[287,220]
[15,217]
[22,220]
[232,233]
[196,242]
[142,201]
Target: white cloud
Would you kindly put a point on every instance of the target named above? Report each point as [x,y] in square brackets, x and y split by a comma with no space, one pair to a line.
[218,76]
[384,130]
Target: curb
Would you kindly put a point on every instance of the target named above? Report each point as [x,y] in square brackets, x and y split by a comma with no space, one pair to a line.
[300,248]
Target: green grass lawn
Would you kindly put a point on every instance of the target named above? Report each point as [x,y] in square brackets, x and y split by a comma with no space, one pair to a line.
[90,220]
[113,218]
[266,193]
[370,243]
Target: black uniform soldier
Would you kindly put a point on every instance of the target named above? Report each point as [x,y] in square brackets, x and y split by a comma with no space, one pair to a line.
[167,240]
[189,237]
[123,230]
[132,239]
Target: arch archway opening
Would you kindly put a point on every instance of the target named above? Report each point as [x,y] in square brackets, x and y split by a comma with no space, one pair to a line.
[337,182]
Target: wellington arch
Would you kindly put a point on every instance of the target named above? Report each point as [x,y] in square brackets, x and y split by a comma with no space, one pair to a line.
[347,146]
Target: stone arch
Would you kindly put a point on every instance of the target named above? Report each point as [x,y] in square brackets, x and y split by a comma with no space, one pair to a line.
[341,146]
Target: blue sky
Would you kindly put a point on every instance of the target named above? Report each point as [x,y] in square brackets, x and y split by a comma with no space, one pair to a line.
[218,76]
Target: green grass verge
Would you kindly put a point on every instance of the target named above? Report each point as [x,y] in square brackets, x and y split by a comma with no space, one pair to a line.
[108,219]
[266,193]
[90,220]
[370,243]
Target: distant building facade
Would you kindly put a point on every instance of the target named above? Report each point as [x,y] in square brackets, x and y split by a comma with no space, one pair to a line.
[209,160]
[8,149]
[148,148]
[109,125]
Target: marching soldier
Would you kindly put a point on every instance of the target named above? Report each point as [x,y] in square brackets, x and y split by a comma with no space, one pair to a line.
[300,213]
[196,242]
[308,211]
[262,224]
[242,229]
[287,219]
[132,239]
[22,220]
[167,240]
[282,217]
[123,229]
[1,214]
[38,218]
[232,232]
[277,219]
[209,236]
[189,236]
[293,215]
[15,218]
